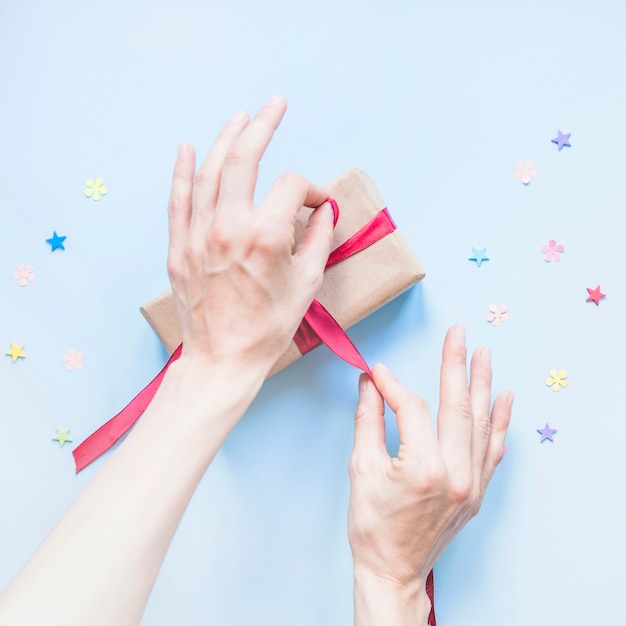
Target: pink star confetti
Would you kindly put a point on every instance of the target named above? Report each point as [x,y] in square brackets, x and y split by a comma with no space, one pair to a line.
[24,274]
[552,251]
[73,360]
[525,172]
[595,295]
[497,314]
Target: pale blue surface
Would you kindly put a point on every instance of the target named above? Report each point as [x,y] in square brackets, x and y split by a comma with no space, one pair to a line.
[437,103]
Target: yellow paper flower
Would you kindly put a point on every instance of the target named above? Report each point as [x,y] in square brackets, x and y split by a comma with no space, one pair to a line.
[557,380]
[95,190]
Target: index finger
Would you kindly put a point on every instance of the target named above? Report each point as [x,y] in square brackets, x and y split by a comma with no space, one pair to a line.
[241,164]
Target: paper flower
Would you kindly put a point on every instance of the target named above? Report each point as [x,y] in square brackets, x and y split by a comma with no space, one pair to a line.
[24,274]
[552,251]
[525,172]
[73,359]
[557,380]
[95,190]
[497,314]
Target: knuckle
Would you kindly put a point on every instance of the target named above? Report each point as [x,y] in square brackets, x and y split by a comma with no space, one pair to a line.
[459,406]
[174,266]
[236,156]
[432,478]
[291,180]
[461,491]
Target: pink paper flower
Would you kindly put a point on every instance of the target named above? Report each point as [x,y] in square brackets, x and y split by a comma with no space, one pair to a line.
[73,359]
[525,172]
[497,314]
[552,251]
[24,274]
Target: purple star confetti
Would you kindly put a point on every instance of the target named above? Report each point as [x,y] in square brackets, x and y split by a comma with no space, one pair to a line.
[546,433]
[562,140]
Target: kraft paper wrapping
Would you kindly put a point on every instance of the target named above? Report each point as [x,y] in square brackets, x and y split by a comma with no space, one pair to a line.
[352,289]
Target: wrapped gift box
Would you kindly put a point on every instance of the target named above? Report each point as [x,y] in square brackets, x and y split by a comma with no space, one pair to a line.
[353,288]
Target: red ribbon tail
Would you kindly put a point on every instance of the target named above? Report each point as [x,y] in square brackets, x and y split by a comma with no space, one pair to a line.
[109,433]
[326,327]
[430,591]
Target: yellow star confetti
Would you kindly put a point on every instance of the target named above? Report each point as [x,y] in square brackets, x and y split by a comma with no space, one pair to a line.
[62,436]
[95,190]
[16,352]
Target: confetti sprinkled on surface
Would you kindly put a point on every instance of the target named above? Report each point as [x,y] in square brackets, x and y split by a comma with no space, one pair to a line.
[95,189]
[478,256]
[562,140]
[24,274]
[62,436]
[557,380]
[497,314]
[552,252]
[56,241]
[525,172]
[595,295]
[546,433]
[73,360]
[16,352]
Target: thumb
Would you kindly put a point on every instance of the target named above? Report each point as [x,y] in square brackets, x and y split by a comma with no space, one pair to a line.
[369,419]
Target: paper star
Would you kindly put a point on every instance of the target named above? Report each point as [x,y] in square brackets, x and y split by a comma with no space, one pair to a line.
[595,295]
[478,255]
[56,241]
[562,140]
[16,352]
[546,433]
[62,436]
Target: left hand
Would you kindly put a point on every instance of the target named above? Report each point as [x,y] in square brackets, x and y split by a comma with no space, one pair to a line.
[241,282]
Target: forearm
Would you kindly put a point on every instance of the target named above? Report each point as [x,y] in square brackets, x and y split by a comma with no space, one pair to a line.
[99,564]
[378,602]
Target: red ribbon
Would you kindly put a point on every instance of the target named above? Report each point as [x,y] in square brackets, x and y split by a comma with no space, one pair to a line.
[318,326]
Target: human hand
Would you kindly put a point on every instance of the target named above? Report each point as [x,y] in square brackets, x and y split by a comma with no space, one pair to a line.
[241,282]
[404,511]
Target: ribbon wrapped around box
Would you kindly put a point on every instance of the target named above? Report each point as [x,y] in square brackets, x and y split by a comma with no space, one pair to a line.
[353,288]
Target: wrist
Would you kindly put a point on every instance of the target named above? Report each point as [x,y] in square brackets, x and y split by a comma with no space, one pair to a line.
[380,601]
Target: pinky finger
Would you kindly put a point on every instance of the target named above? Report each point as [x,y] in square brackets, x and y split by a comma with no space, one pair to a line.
[179,206]
[500,419]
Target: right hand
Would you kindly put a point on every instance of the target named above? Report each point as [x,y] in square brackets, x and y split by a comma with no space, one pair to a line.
[404,511]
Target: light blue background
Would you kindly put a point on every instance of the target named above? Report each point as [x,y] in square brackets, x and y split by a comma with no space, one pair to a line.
[438,102]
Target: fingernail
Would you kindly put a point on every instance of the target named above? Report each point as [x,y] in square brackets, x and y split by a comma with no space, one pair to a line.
[275,99]
[183,148]
[509,399]
[460,334]
[485,356]
[238,117]
[382,366]
[363,383]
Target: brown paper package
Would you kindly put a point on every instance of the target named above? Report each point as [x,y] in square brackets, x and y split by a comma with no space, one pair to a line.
[352,289]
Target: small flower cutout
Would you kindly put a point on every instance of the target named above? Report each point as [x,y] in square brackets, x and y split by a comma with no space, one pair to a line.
[557,380]
[73,360]
[497,314]
[24,274]
[525,172]
[552,251]
[95,190]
